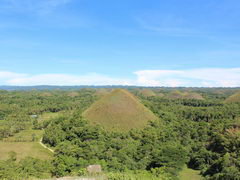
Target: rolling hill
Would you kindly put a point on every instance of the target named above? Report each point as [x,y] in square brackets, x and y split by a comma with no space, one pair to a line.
[119,110]
[233,98]
[147,93]
[184,95]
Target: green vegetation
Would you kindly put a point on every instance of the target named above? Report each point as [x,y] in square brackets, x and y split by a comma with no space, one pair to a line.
[190,174]
[119,110]
[131,137]
[27,168]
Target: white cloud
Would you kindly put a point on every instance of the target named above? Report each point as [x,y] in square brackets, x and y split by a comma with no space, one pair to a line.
[214,77]
[151,78]
[205,77]
[65,79]
[5,75]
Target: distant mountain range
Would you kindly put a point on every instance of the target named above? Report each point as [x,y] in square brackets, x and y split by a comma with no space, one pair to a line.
[53,87]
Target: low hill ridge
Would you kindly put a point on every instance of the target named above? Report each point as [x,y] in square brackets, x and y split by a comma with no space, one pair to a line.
[119,110]
[184,95]
[147,93]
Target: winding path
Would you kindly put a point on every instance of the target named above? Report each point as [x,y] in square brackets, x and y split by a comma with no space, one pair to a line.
[43,145]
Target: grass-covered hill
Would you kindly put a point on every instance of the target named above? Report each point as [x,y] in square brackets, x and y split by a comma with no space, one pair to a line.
[233,98]
[184,95]
[119,110]
[147,93]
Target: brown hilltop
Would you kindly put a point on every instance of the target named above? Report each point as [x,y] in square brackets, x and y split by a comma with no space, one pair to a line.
[147,93]
[119,110]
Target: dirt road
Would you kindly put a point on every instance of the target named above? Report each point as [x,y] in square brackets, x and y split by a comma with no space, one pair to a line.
[43,145]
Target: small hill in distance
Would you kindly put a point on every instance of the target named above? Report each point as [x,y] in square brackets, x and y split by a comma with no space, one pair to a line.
[102,92]
[147,92]
[193,95]
[119,110]
[233,98]
[184,95]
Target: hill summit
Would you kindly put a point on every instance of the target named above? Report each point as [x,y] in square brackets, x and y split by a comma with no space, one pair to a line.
[147,93]
[119,110]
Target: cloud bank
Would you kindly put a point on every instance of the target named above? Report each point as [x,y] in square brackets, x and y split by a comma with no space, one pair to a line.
[204,77]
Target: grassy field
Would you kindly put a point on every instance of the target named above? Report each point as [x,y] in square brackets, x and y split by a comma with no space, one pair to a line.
[189,174]
[22,143]
[23,149]
[48,115]
[119,110]
[25,136]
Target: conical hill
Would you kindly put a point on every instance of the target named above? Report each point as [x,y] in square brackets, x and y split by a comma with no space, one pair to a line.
[147,93]
[119,110]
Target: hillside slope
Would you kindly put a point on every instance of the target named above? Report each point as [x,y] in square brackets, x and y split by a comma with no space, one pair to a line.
[119,110]
[233,98]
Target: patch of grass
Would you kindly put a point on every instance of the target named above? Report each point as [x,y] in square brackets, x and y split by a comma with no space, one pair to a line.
[119,110]
[48,115]
[190,174]
[25,136]
[24,149]
[22,143]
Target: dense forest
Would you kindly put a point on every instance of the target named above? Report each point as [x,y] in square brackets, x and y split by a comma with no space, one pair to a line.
[196,127]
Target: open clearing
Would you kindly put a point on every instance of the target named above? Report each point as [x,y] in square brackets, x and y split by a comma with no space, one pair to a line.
[49,115]
[22,144]
[25,136]
[189,174]
[24,149]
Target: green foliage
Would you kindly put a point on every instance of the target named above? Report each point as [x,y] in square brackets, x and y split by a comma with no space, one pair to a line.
[27,168]
[156,174]
[171,156]
[198,129]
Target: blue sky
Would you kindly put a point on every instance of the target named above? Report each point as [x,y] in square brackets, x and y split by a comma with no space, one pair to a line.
[130,42]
